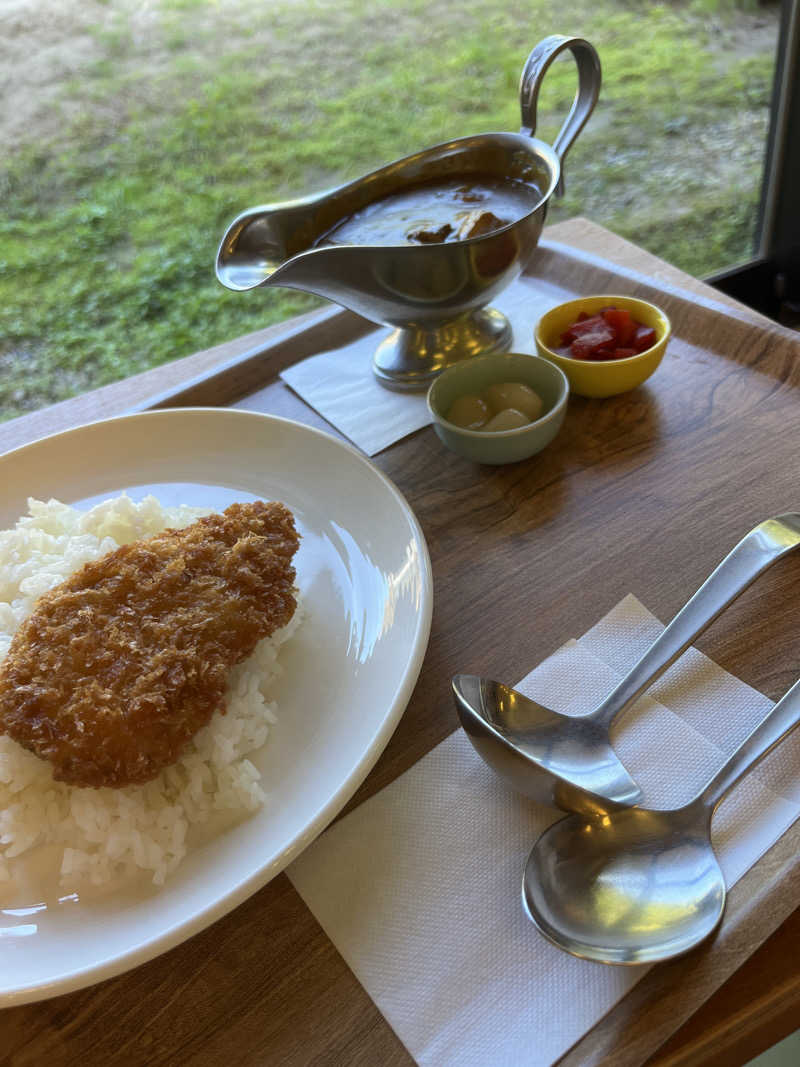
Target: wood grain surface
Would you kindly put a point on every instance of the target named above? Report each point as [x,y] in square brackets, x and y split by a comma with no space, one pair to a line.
[643,493]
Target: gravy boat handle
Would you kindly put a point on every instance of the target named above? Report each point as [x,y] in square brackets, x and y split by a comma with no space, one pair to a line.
[757,551]
[589,78]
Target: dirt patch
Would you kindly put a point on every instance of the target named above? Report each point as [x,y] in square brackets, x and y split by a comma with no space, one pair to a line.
[50,51]
[41,47]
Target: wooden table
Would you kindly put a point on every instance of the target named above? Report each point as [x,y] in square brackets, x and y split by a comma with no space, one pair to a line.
[264,985]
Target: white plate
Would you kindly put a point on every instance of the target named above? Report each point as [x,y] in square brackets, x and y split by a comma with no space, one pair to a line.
[364,575]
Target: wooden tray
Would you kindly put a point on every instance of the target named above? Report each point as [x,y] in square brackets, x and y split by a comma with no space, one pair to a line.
[641,493]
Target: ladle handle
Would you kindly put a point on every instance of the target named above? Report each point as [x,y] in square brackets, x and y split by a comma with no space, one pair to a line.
[750,558]
[589,77]
[780,722]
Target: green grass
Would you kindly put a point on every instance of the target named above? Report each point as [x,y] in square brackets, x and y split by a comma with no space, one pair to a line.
[109,235]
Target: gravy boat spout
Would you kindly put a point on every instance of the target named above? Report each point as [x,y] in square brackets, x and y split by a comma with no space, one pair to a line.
[269,245]
[433,290]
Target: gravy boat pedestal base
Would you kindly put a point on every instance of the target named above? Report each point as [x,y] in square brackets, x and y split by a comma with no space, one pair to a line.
[410,358]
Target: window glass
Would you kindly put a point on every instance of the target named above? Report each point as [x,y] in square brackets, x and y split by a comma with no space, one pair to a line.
[134,132]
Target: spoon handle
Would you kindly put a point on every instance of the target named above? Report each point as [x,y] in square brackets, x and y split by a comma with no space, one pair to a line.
[750,558]
[778,723]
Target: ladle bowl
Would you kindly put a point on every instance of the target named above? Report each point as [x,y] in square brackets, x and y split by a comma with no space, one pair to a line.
[435,295]
[641,885]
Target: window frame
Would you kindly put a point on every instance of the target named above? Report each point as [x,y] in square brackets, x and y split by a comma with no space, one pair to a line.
[770,282]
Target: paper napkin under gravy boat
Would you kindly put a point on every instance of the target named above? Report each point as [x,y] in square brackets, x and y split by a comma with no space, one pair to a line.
[419,887]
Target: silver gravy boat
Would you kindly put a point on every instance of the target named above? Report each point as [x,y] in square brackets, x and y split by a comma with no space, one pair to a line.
[435,295]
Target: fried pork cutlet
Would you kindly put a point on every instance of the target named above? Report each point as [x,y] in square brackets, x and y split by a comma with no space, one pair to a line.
[120,665]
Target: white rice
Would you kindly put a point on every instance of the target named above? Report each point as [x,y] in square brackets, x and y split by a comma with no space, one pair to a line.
[108,833]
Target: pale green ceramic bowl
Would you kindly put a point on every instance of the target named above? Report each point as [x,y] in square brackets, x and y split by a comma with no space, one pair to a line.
[473,376]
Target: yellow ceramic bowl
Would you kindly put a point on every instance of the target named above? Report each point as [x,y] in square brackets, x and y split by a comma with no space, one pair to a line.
[606,377]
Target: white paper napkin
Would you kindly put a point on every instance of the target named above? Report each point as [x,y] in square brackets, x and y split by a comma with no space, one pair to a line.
[340,385]
[419,887]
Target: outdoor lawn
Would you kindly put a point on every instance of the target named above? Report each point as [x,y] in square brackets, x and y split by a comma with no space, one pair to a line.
[132,133]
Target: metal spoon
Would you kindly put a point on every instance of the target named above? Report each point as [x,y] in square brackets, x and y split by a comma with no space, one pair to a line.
[568,761]
[640,885]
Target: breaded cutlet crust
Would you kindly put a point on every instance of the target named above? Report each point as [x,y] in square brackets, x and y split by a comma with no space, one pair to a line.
[120,665]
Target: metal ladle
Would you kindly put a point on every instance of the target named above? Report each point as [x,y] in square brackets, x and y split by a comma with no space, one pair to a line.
[568,761]
[641,885]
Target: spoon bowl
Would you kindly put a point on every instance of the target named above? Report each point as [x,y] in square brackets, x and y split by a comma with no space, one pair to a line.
[634,887]
[642,885]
